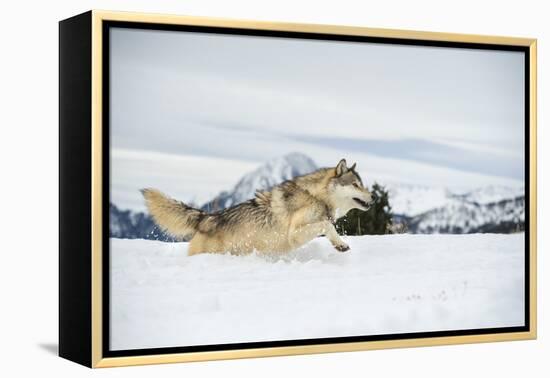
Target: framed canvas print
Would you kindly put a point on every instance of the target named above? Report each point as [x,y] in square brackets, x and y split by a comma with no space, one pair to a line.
[235,189]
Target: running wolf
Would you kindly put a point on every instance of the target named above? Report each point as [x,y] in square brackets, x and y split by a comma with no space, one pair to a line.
[276,221]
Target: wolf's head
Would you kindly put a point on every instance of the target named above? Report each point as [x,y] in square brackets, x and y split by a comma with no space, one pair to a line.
[346,190]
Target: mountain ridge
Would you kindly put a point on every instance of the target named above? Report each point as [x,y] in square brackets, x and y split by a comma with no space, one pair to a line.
[421,209]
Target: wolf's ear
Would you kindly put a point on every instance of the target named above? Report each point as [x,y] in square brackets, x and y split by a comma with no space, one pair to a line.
[352,168]
[342,167]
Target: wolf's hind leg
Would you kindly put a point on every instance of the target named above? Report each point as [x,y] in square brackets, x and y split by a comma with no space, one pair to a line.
[203,243]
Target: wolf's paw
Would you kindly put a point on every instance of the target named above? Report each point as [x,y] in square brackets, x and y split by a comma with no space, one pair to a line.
[342,247]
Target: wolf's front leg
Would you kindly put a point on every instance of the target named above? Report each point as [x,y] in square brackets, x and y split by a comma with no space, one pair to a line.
[302,234]
[334,238]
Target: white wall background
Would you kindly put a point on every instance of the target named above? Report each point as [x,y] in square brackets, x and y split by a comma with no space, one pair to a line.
[28,148]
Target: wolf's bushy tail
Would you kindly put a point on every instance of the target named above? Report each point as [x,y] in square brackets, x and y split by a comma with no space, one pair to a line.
[174,217]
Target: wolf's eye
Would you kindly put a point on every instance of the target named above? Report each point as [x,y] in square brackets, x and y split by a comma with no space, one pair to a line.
[356,185]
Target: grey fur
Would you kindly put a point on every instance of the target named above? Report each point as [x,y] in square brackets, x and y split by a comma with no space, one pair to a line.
[288,216]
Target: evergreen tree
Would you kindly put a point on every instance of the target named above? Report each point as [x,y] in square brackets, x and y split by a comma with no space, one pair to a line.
[376,220]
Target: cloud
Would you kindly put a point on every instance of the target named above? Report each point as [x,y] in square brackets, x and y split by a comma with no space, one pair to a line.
[251,98]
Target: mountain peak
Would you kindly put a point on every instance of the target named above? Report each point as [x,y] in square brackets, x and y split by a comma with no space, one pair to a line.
[264,177]
[283,168]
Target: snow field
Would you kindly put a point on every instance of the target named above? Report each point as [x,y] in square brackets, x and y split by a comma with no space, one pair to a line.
[160,297]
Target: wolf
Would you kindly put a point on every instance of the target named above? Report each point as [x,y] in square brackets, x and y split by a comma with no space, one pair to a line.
[277,221]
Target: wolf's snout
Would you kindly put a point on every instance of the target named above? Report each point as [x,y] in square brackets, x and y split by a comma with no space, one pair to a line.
[364,204]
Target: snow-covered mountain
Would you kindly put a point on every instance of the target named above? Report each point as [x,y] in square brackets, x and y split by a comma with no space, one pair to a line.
[427,209]
[412,200]
[263,178]
[490,194]
[422,209]
[460,216]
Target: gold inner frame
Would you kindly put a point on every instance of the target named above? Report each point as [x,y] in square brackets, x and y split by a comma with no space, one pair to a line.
[97,150]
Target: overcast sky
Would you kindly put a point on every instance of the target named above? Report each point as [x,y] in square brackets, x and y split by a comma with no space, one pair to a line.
[253,98]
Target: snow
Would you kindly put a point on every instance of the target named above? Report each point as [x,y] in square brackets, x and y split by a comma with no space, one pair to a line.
[160,297]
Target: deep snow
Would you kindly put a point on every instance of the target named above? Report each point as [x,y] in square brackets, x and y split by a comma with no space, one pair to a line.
[161,297]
